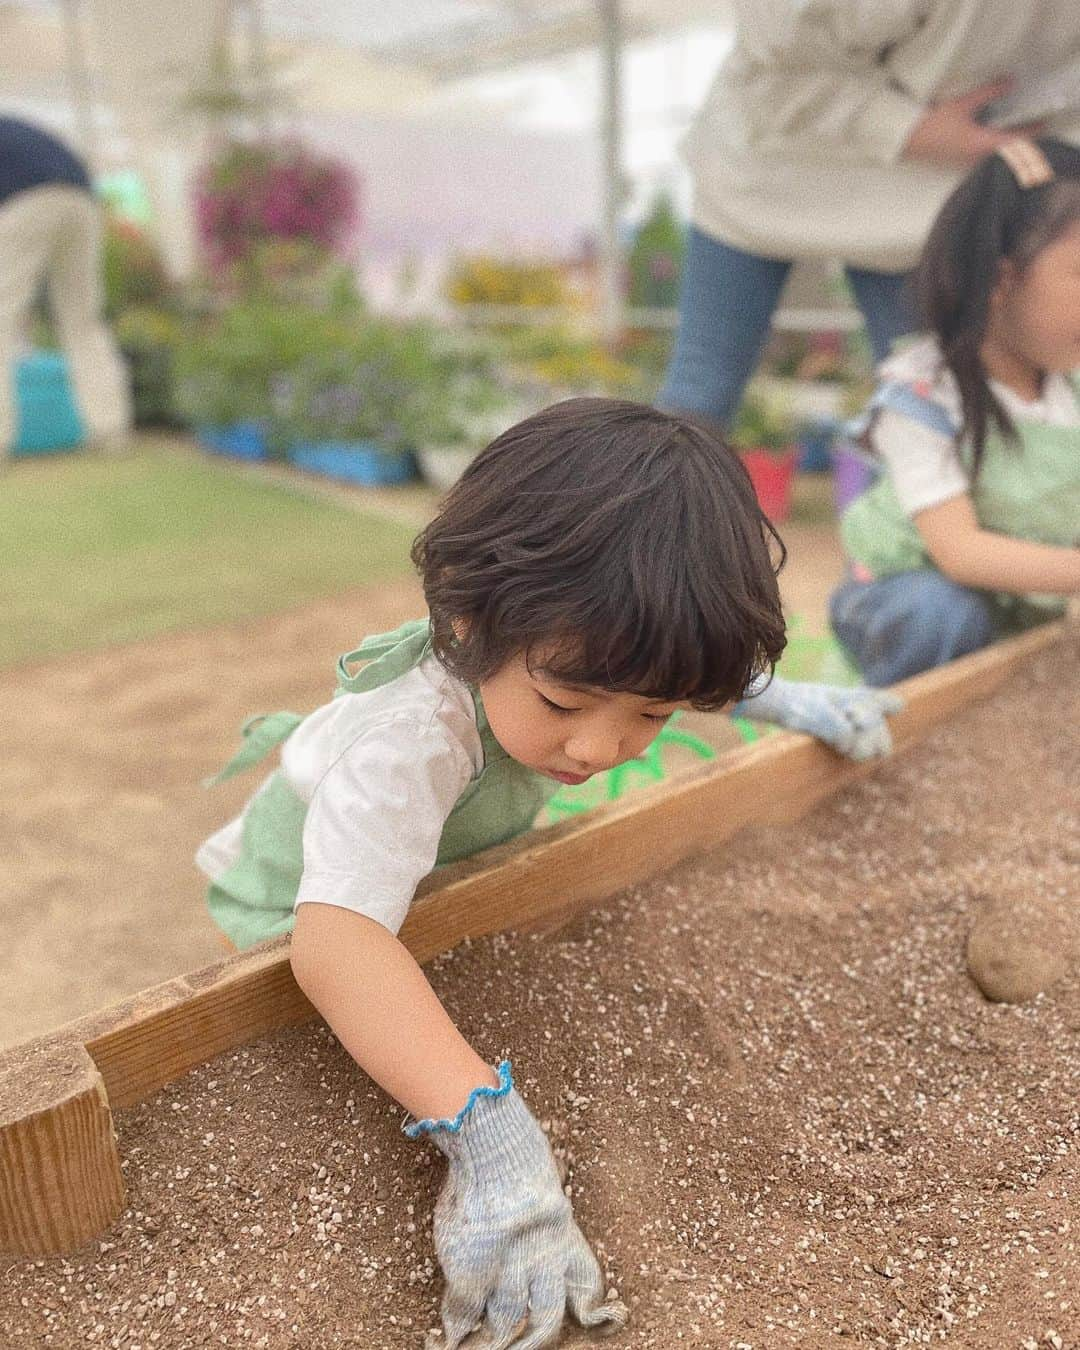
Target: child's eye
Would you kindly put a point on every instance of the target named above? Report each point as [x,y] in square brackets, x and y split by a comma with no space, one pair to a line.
[656,717]
[555,707]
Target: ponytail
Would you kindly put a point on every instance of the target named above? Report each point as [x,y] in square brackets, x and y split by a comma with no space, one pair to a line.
[988,218]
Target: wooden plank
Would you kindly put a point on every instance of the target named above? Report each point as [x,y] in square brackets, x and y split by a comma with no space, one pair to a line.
[770,782]
[147,1041]
[60,1179]
[173,1027]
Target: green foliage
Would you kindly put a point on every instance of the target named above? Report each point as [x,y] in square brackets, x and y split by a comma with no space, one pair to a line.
[148,338]
[656,257]
[399,385]
[333,374]
[764,422]
[570,362]
[132,269]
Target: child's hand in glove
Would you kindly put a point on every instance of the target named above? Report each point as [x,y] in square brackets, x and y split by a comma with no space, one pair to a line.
[852,721]
[504,1231]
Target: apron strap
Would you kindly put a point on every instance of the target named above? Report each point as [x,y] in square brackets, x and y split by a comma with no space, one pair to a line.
[387,655]
[261,735]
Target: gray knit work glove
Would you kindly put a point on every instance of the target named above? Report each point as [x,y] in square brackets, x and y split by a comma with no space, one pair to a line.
[852,721]
[505,1235]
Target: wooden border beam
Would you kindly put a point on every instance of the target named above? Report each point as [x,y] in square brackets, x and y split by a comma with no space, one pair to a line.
[59,1170]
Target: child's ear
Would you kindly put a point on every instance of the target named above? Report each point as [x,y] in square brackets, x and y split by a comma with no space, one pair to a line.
[460,627]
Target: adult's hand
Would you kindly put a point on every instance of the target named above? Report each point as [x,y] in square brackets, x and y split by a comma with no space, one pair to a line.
[949,134]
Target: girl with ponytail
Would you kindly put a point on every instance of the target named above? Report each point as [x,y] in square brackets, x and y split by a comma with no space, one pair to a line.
[972,530]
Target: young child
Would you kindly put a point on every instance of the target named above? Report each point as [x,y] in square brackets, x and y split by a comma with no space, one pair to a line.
[597,567]
[973,530]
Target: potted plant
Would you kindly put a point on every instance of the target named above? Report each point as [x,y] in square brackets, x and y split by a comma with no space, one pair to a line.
[764,435]
[254,194]
[148,336]
[565,363]
[349,408]
[459,407]
[230,369]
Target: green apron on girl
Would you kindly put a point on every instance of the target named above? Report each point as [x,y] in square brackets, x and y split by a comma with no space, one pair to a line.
[1029,489]
[253,899]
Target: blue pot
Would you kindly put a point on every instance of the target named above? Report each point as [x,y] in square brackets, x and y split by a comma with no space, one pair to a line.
[241,440]
[815,444]
[47,419]
[354,462]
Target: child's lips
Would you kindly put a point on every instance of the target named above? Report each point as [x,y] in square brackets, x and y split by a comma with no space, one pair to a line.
[570,779]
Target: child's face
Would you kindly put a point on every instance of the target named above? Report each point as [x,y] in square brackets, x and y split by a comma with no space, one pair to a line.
[568,732]
[1038,310]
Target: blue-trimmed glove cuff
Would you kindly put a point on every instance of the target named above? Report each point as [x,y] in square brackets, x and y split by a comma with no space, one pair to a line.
[417,1128]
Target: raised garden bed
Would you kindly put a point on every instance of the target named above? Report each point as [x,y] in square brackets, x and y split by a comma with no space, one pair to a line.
[791,1118]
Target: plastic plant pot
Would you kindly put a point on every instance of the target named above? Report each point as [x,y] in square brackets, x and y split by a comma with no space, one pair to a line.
[361,462]
[815,444]
[47,420]
[240,440]
[853,472]
[772,473]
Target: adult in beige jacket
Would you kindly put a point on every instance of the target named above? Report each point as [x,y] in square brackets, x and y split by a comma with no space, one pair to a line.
[50,233]
[836,129]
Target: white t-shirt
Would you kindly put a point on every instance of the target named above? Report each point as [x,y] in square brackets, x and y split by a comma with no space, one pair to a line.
[918,419]
[380,773]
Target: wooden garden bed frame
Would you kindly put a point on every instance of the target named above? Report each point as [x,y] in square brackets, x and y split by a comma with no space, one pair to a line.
[60,1177]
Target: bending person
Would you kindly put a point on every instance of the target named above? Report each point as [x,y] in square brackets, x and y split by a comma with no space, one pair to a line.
[51,233]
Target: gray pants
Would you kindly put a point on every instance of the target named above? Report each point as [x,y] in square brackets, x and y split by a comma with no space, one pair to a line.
[54,234]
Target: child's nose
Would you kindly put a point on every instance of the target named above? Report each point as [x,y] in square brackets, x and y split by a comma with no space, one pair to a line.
[597,748]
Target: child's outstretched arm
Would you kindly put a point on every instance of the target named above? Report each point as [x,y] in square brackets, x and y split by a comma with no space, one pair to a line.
[504,1231]
[852,721]
[972,556]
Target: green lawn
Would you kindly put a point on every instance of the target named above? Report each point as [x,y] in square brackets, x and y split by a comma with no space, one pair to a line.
[99,550]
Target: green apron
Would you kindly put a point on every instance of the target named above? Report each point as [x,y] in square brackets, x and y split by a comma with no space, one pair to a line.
[253,899]
[1029,490]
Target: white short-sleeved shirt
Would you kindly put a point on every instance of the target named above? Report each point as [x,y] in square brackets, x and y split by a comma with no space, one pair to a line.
[380,773]
[918,419]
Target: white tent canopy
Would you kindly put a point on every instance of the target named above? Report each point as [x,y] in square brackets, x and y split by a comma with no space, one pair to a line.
[128,66]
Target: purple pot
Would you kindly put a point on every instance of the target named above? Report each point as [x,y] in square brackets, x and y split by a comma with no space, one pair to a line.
[853,472]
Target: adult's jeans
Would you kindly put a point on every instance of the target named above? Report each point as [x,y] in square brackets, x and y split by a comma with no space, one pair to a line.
[725,312]
[909,622]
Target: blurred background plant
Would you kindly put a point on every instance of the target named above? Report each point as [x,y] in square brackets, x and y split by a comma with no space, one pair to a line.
[765,421]
[656,257]
[481,279]
[230,366]
[566,362]
[264,208]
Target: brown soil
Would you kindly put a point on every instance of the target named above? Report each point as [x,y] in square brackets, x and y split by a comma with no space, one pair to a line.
[102,757]
[790,1116]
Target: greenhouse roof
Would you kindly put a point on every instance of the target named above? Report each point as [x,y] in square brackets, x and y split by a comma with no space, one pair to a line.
[454,38]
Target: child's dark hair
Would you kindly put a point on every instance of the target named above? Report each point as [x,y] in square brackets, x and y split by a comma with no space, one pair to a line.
[988,218]
[627,539]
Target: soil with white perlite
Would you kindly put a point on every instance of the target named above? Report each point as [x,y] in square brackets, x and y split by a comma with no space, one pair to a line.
[791,1117]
